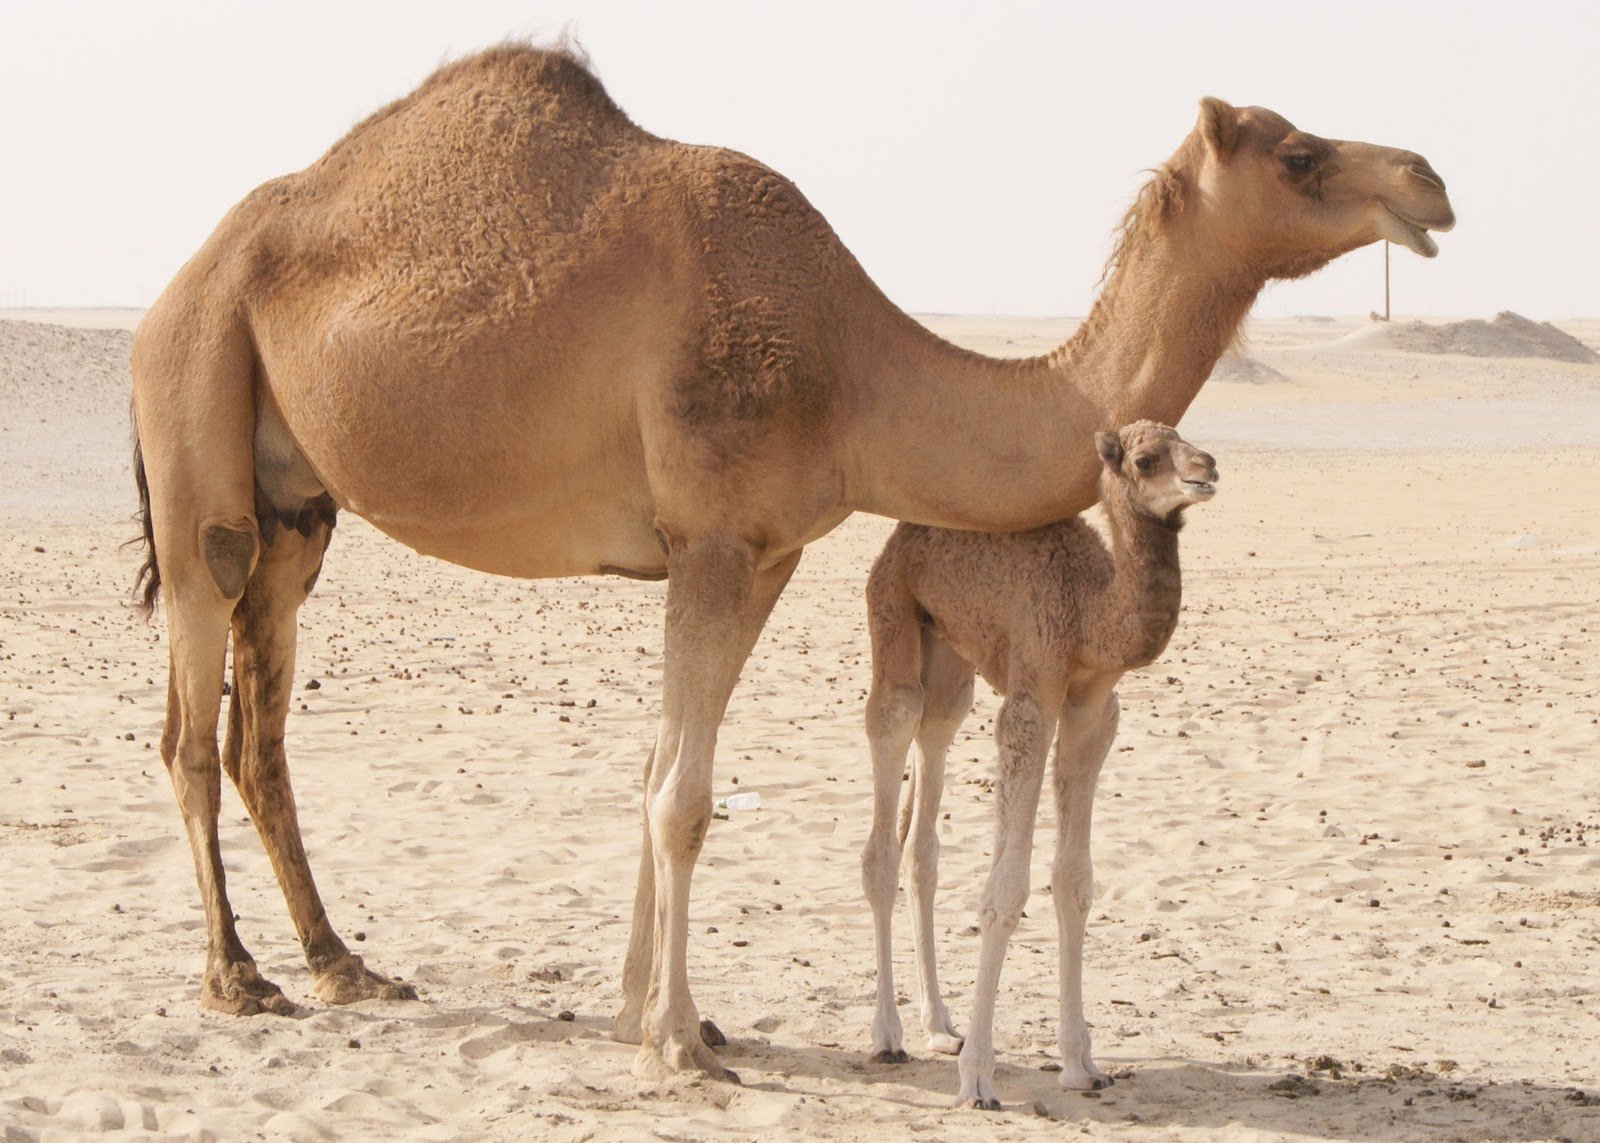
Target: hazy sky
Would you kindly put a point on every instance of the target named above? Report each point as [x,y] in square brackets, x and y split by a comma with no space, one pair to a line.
[973,156]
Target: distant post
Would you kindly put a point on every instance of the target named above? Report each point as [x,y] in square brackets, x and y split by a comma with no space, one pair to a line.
[1385,279]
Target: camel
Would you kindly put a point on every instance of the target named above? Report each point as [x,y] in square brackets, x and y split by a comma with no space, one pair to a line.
[515,331]
[1052,618]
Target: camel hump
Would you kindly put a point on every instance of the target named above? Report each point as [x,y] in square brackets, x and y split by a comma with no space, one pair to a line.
[509,100]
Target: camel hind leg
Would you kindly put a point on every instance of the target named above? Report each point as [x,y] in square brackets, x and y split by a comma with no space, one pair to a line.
[193,408]
[264,628]
[947,686]
[1088,727]
[894,711]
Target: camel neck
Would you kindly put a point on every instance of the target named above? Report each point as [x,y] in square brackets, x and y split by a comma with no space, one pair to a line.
[1169,310]
[1146,587]
[1024,428]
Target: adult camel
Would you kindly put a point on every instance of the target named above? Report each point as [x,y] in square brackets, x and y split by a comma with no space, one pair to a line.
[517,332]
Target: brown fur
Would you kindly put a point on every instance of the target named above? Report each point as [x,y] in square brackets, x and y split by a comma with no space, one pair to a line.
[1052,618]
[516,331]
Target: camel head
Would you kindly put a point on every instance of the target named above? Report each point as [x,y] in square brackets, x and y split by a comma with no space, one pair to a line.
[1155,471]
[1291,202]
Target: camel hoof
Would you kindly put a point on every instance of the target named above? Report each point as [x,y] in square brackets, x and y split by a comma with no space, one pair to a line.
[239,990]
[711,1035]
[979,1103]
[679,1054]
[890,1056]
[349,980]
[628,1027]
[1083,1080]
[946,1043]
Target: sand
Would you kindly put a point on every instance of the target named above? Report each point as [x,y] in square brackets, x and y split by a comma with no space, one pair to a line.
[1348,842]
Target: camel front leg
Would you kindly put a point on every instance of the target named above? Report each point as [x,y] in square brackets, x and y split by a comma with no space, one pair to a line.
[1022,732]
[717,603]
[263,668]
[628,1026]
[1088,727]
[947,688]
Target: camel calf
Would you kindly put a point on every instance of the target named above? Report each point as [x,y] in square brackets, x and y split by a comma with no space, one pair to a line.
[1052,618]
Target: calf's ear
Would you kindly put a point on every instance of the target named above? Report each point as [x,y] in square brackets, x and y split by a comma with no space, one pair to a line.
[1109,446]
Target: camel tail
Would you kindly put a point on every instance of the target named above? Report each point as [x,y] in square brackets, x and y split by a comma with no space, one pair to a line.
[147,587]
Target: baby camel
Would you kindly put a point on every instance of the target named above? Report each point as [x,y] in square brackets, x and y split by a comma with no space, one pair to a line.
[1052,618]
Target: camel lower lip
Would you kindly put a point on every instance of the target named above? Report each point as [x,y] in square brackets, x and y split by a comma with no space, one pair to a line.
[1421,241]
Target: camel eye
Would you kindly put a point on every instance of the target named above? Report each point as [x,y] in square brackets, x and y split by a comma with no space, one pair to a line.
[1299,164]
[1145,463]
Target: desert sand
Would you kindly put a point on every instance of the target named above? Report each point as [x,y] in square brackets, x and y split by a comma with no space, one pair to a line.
[1347,843]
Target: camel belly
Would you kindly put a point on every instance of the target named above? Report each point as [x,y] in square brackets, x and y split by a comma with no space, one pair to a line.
[539,547]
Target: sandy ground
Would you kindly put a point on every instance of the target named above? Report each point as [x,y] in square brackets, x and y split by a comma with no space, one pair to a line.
[1348,842]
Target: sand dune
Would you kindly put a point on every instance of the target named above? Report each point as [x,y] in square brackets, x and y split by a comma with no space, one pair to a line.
[1236,366]
[1507,335]
[1348,879]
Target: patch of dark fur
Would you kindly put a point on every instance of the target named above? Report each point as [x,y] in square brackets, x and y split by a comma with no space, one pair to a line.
[266,518]
[229,553]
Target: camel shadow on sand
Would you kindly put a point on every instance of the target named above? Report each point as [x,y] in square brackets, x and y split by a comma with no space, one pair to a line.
[1323,1099]
[1400,1105]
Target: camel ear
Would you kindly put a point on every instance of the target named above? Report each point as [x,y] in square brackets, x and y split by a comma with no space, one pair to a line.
[1109,446]
[1219,126]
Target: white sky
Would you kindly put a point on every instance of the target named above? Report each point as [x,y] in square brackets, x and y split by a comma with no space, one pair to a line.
[974,156]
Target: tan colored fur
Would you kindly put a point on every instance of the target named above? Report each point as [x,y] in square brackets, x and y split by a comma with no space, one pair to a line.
[1052,618]
[516,331]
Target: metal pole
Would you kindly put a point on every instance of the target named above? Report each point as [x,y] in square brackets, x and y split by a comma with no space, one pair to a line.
[1386,280]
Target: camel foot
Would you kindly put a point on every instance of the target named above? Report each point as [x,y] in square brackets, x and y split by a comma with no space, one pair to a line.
[628,1026]
[946,1043]
[1095,1080]
[979,1103]
[239,990]
[678,1053]
[890,1056]
[348,980]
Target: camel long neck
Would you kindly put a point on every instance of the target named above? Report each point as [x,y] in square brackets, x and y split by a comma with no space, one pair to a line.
[1165,316]
[943,436]
[1142,599]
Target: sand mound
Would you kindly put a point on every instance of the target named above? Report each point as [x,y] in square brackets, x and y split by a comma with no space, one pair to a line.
[64,417]
[1508,335]
[55,369]
[1234,366]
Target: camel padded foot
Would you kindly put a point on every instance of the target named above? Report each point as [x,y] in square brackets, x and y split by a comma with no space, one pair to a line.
[349,980]
[677,1054]
[240,990]
[979,1103]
